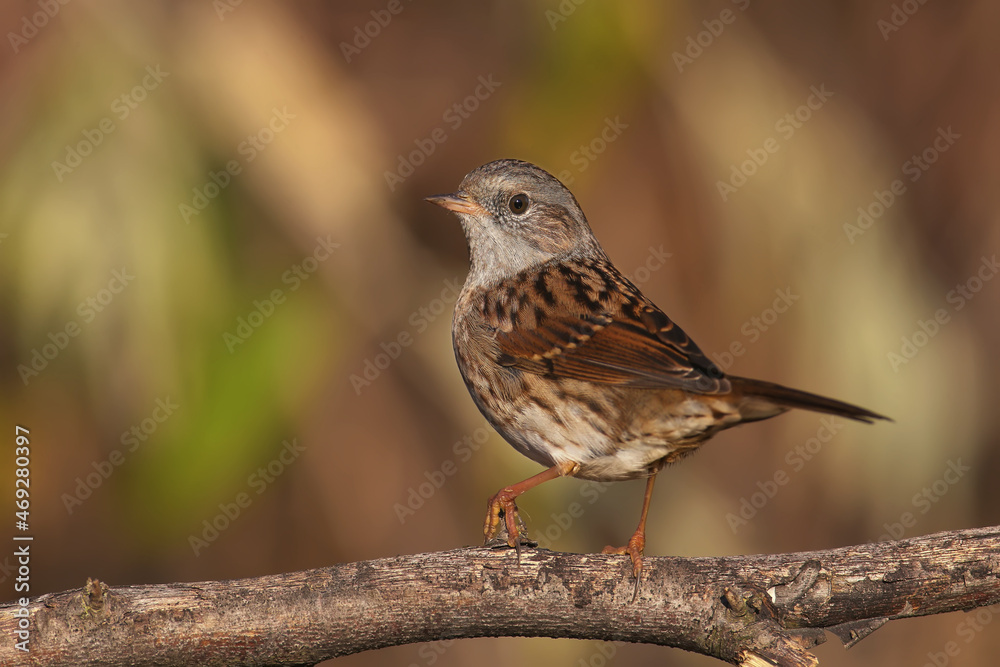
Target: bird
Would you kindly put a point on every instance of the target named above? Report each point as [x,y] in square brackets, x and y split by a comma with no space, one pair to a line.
[570,363]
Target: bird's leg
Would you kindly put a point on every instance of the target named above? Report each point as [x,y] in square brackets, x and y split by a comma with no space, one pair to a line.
[638,540]
[503,501]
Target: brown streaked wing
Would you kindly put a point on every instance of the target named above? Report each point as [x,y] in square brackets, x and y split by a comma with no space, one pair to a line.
[612,347]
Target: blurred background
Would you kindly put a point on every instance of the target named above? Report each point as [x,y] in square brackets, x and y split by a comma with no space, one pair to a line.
[225,309]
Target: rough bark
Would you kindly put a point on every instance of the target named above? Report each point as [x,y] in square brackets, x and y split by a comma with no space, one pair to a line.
[749,610]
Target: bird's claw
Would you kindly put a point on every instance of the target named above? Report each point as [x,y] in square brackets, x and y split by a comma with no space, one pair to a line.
[510,531]
[501,505]
[634,548]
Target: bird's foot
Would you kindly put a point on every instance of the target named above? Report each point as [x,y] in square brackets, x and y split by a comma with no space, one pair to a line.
[634,548]
[503,523]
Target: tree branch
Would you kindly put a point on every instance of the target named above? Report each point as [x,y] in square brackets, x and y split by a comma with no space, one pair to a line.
[746,610]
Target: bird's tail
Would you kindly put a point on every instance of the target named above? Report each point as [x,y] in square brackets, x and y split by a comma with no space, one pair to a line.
[761,400]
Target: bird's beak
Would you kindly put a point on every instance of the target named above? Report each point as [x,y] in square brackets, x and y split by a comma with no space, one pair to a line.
[458,202]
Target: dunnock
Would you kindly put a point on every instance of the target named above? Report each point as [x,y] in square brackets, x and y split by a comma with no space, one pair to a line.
[569,361]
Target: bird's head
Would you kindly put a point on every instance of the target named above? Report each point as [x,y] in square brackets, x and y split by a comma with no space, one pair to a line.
[516,216]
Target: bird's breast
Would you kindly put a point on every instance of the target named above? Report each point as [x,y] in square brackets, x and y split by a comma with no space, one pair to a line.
[614,432]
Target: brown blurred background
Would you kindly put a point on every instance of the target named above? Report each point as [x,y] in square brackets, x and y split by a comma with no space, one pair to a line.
[224,202]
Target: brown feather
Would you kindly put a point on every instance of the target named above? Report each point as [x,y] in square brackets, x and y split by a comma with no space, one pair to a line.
[784,397]
[597,328]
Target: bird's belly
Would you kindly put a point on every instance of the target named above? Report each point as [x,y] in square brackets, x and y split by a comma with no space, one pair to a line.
[611,435]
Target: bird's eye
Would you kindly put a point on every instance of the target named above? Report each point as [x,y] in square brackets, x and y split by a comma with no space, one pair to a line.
[518,203]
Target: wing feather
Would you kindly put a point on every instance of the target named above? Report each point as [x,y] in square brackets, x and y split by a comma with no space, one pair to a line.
[599,328]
